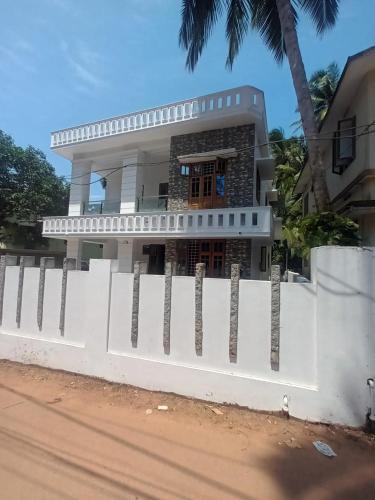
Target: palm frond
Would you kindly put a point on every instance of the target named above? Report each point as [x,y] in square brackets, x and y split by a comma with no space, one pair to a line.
[334,72]
[266,20]
[322,86]
[238,21]
[198,17]
[323,12]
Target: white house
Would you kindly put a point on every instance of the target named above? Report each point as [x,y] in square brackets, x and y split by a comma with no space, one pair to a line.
[186,182]
[348,147]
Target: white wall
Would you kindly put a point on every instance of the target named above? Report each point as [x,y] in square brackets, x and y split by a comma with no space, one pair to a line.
[131,180]
[345,315]
[153,175]
[327,340]
[113,188]
[80,187]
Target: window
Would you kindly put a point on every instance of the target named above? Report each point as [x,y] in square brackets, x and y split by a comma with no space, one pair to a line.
[207,184]
[185,170]
[211,253]
[194,187]
[344,145]
[163,189]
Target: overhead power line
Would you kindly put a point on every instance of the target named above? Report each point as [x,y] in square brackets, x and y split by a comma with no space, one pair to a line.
[113,170]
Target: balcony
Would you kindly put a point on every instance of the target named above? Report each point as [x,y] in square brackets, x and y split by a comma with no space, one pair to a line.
[245,101]
[101,207]
[249,222]
[152,203]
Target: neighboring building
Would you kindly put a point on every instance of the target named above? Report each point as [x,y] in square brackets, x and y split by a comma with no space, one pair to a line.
[349,157]
[56,249]
[186,183]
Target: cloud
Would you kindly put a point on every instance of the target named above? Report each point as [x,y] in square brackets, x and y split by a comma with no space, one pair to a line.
[84,64]
[85,75]
[15,56]
[24,46]
[62,4]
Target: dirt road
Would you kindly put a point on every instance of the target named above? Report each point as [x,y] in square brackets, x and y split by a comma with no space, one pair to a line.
[64,436]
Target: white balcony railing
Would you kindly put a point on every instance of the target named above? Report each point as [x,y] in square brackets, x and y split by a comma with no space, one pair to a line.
[218,223]
[218,103]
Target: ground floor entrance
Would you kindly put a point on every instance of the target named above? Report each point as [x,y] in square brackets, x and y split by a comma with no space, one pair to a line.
[217,254]
[156,258]
[209,252]
[253,256]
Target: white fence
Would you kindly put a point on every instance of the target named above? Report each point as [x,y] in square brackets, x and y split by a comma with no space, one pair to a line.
[116,326]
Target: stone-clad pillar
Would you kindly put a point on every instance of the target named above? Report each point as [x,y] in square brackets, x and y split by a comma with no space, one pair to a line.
[68,265]
[275,317]
[234,298]
[199,275]
[169,272]
[45,263]
[139,268]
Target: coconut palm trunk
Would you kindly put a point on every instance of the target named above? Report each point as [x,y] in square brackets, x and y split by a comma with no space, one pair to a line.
[305,105]
[275,21]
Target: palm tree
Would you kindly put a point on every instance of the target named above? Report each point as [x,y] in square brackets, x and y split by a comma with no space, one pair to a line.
[289,155]
[322,85]
[276,22]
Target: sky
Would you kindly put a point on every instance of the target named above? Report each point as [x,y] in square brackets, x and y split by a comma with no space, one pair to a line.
[66,62]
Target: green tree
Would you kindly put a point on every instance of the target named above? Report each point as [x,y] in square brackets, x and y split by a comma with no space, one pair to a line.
[318,229]
[322,85]
[301,233]
[290,156]
[29,189]
[276,21]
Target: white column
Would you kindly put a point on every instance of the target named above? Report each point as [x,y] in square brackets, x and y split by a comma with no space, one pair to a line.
[110,249]
[74,249]
[125,255]
[131,183]
[80,186]
[113,191]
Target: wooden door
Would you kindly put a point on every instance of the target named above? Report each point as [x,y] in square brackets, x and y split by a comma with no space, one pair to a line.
[207,185]
[212,254]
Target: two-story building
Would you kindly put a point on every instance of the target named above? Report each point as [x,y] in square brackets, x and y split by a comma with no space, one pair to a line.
[186,182]
[347,143]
